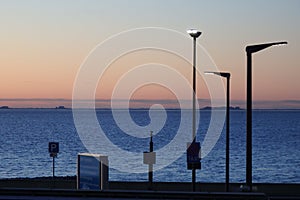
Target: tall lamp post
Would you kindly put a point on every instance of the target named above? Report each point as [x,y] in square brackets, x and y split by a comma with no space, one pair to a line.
[194,34]
[227,76]
[250,50]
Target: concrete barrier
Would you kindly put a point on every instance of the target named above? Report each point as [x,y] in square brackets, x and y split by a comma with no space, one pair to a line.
[120,194]
[40,183]
[69,183]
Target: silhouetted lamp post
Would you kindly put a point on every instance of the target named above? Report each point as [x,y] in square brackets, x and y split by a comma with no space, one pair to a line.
[194,34]
[227,76]
[249,50]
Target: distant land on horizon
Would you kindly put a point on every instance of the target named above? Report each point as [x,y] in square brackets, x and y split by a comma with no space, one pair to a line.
[146,108]
[144,103]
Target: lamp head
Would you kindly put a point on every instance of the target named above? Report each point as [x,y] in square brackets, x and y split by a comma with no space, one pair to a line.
[223,74]
[258,47]
[194,33]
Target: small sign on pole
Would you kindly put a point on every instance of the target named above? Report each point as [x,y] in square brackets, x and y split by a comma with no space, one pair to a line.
[193,155]
[53,148]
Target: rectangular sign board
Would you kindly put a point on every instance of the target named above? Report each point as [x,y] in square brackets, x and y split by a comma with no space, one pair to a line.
[92,171]
[149,158]
[53,147]
[193,155]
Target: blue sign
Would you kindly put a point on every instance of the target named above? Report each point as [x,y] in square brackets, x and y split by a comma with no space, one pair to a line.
[193,155]
[53,147]
[92,171]
[90,176]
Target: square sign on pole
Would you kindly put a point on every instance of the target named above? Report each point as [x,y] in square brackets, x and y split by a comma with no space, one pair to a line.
[53,148]
[193,155]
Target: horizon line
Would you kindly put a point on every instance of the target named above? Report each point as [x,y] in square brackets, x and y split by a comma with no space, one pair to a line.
[142,103]
[139,100]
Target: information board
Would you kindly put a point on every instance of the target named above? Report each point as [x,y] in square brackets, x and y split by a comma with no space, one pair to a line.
[92,171]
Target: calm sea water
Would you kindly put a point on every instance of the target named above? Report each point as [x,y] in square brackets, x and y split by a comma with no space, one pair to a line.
[25,134]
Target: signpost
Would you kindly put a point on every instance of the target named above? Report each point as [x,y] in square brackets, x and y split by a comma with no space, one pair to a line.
[193,155]
[193,159]
[53,149]
[149,158]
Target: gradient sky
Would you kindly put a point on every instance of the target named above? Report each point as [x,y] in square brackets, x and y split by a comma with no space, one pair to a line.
[43,44]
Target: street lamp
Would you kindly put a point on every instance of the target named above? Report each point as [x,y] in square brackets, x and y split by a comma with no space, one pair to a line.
[249,50]
[227,76]
[194,34]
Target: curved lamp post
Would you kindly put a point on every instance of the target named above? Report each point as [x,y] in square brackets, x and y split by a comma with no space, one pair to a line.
[194,34]
[227,76]
[250,50]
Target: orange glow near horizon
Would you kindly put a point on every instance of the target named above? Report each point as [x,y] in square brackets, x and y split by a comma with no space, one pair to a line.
[43,46]
[125,64]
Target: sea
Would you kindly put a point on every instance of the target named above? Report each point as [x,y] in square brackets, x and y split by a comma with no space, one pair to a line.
[26,133]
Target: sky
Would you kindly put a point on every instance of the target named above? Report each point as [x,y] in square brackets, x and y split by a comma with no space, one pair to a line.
[44,43]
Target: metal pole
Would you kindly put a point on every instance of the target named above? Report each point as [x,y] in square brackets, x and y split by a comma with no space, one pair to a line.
[249,123]
[227,134]
[53,166]
[150,175]
[194,112]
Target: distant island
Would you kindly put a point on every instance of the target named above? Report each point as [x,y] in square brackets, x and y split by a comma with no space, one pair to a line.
[221,108]
[60,107]
[209,108]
